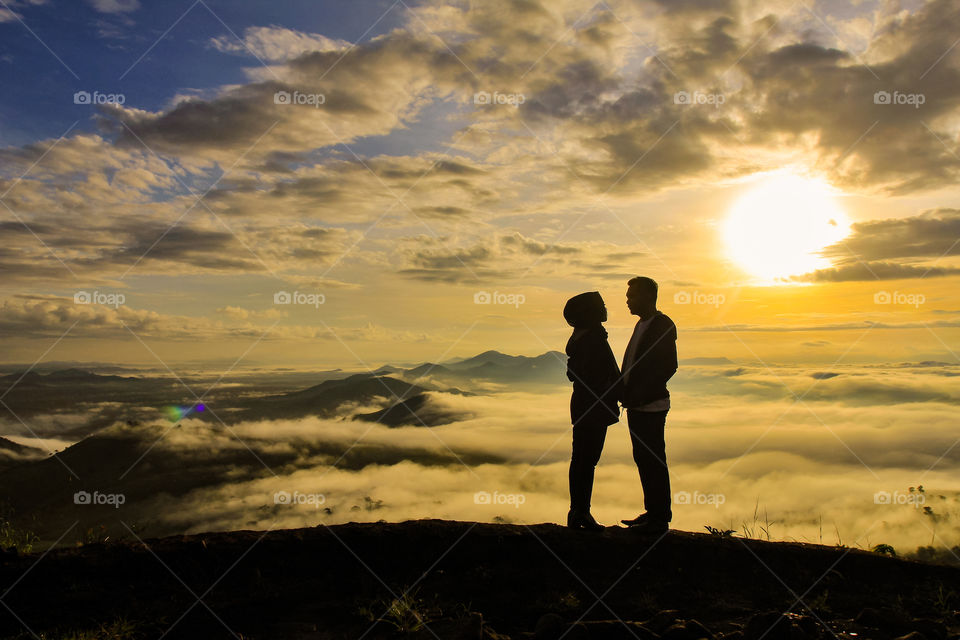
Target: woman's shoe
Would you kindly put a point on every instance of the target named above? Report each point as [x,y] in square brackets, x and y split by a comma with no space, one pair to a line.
[583,520]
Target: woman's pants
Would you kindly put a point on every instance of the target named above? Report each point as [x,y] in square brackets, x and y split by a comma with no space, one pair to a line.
[587,445]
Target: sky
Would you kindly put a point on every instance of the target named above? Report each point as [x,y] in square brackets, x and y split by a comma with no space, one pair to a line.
[329,184]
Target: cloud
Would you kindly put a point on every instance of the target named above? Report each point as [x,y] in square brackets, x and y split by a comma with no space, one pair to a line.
[869,253]
[368,90]
[139,209]
[7,13]
[276,44]
[869,271]
[838,326]
[507,256]
[381,188]
[931,234]
[780,86]
[239,313]
[166,246]
[586,110]
[115,6]
[46,316]
[805,466]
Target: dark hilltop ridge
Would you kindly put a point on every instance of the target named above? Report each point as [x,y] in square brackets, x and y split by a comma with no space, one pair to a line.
[458,580]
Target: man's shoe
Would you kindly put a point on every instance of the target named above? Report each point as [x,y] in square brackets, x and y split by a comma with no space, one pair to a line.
[583,520]
[650,526]
[640,518]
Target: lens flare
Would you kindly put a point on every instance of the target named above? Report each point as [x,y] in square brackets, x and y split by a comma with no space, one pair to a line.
[176,413]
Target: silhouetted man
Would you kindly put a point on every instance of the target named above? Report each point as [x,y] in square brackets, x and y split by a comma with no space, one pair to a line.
[650,360]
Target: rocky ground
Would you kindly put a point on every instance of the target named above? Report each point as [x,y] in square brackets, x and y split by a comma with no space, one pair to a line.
[459,580]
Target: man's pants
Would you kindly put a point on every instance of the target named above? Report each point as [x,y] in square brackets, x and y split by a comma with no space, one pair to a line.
[649,452]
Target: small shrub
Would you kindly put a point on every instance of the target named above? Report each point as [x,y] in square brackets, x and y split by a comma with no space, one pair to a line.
[15,537]
[405,614]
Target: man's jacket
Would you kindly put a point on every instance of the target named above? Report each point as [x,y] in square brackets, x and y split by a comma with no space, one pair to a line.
[654,362]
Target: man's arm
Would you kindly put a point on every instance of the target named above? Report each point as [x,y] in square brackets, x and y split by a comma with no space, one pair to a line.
[669,355]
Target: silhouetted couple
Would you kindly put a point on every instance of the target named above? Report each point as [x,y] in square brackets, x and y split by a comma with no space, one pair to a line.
[599,387]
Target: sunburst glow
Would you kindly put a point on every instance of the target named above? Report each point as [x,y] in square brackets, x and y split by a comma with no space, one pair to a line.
[779,226]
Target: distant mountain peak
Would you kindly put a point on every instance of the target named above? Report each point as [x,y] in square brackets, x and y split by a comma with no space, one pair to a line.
[72,373]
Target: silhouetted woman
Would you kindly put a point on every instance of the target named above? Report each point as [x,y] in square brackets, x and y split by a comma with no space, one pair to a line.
[593,370]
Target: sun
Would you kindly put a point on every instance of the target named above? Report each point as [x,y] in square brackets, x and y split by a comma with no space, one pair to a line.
[779,226]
